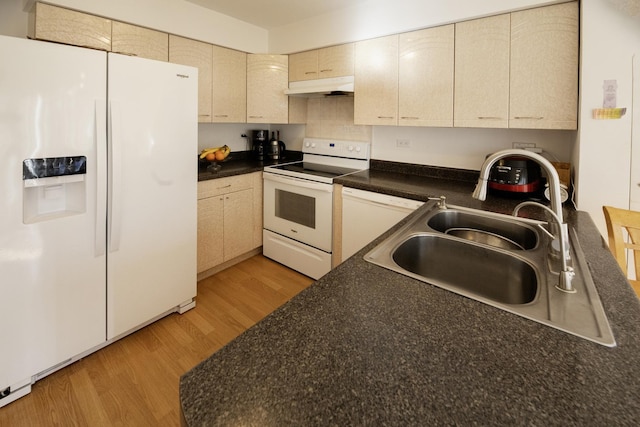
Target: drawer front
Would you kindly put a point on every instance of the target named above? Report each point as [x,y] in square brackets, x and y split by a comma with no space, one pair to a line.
[230,184]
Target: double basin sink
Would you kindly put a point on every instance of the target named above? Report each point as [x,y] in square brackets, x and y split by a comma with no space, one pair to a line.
[499,260]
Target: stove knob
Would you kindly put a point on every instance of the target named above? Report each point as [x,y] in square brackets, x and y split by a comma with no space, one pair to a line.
[358,149]
[350,148]
[307,144]
[313,145]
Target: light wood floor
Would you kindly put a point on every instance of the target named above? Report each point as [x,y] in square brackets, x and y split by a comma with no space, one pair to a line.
[134,381]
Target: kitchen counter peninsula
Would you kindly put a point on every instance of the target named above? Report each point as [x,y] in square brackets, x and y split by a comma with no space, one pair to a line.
[366,346]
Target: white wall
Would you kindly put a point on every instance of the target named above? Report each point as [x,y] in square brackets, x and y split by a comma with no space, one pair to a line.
[375,18]
[463,148]
[172,16]
[609,39]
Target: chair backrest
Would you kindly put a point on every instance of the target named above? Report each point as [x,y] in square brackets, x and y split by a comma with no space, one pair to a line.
[617,220]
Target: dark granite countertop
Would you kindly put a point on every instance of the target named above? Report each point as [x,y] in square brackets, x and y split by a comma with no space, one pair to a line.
[366,346]
[240,162]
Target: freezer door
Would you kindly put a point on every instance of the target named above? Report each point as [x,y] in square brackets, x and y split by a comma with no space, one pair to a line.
[153,147]
[52,228]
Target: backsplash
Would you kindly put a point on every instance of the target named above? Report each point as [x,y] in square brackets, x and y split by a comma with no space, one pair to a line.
[460,148]
[331,117]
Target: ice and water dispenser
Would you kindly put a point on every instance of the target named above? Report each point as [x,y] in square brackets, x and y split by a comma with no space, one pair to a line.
[53,187]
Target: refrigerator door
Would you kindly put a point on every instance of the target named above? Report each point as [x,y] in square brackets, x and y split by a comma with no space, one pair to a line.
[151,260]
[52,225]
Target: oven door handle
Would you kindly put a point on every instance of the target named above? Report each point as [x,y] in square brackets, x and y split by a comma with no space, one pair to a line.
[299,182]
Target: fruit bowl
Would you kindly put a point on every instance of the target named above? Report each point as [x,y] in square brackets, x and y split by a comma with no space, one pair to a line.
[210,158]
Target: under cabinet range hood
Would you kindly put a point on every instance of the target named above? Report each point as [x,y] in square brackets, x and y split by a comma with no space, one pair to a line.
[321,87]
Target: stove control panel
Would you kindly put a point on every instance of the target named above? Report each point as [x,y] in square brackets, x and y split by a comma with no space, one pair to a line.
[336,148]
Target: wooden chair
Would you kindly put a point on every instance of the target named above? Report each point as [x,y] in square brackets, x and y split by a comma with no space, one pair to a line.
[617,220]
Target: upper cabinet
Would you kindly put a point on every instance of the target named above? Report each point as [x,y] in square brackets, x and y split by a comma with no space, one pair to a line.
[544,68]
[267,79]
[229,85]
[376,82]
[334,61]
[516,70]
[406,79]
[425,84]
[138,41]
[482,72]
[61,25]
[303,66]
[200,55]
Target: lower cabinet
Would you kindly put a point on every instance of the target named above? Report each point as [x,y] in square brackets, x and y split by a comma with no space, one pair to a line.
[228,219]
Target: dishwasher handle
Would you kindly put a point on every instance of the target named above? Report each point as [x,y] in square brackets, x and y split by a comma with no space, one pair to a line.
[380,199]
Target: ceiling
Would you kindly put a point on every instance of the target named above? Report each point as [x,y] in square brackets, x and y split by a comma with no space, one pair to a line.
[270,14]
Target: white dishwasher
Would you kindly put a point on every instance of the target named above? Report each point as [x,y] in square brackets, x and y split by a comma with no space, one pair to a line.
[366,215]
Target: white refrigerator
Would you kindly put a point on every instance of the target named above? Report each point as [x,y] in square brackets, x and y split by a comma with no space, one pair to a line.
[98,182]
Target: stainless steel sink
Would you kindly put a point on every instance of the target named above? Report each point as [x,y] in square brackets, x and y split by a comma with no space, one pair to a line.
[505,233]
[512,280]
[517,278]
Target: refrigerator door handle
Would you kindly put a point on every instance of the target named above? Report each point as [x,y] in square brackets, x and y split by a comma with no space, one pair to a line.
[114,137]
[100,138]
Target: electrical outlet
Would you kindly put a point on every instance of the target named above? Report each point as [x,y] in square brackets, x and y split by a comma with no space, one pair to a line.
[524,145]
[403,143]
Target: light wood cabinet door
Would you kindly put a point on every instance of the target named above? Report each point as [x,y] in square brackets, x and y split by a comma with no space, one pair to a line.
[229,218]
[336,61]
[425,83]
[137,41]
[238,223]
[66,26]
[229,85]
[376,82]
[303,66]
[482,72]
[200,55]
[267,79]
[257,209]
[333,61]
[210,232]
[544,67]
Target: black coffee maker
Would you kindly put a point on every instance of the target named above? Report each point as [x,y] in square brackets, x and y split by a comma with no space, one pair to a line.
[259,140]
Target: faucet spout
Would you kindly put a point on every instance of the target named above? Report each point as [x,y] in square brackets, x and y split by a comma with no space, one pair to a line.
[480,193]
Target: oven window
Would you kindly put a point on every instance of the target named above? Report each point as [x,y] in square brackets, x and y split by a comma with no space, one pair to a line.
[296,208]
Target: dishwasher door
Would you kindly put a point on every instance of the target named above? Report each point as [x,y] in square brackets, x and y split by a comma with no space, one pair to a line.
[366,215]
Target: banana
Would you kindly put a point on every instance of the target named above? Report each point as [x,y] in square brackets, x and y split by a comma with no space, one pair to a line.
[224,149]
[206,151]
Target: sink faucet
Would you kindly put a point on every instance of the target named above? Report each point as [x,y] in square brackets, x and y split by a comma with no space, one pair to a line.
[480,193]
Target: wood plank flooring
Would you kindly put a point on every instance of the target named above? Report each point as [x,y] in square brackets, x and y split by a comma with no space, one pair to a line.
[134,381]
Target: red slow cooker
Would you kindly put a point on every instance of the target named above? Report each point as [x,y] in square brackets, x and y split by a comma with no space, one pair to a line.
[515,175]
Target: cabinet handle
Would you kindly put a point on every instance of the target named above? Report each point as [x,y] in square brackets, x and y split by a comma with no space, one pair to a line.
[256,117]
[310,72]
[224,186]
[326,70]
[221,115]
[203,115]
[528,118]
[386,117]
[125,53]
[410,118]
[489,118]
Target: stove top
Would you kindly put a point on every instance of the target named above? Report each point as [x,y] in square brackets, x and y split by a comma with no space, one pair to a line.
[316,169]
[326,159]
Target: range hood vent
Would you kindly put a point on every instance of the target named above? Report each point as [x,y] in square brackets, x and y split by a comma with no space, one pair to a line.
[321,87]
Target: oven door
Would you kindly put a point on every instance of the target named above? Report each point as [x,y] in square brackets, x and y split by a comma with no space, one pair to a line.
[299,209]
